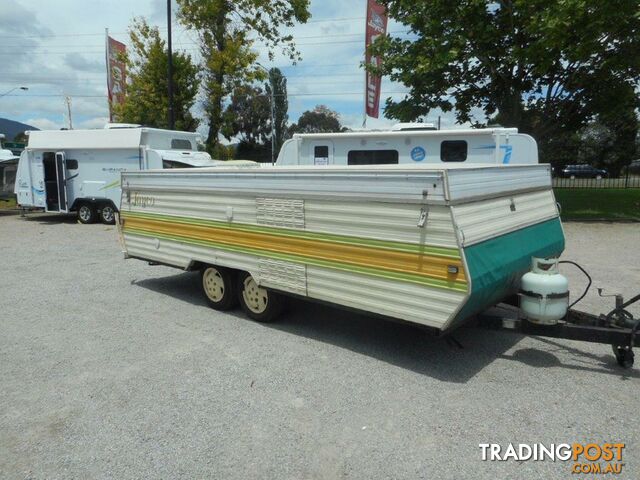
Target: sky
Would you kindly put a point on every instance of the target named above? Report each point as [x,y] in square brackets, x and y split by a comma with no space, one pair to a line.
[56,49]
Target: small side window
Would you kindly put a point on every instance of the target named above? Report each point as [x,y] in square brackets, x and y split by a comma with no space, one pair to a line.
[321,155]
[453,151]
[72,164]
[180,144]
[372,157]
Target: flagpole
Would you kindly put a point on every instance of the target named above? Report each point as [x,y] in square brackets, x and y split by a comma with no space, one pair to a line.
[364,104]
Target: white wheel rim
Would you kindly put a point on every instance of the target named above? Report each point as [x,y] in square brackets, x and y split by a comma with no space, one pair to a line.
[85,213]
[598,177]
[107,214]
[213,284]
[256,298]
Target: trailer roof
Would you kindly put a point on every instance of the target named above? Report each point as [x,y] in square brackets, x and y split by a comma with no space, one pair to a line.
[96,138]
[407,133]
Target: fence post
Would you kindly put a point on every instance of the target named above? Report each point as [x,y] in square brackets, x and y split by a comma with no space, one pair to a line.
[626,179]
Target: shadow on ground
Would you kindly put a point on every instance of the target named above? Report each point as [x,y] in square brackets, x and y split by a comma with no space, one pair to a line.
[404,345]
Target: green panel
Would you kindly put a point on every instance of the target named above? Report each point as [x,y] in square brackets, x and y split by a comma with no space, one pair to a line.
[496,265]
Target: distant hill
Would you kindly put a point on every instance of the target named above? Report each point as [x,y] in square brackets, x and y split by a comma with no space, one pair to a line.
[11,128]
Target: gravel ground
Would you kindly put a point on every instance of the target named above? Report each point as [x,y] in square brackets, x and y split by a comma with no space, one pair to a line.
[116,369]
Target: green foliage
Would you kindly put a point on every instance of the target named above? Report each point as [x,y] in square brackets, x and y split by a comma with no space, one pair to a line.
[227,32]
[223,152]
[278,84]
[21,138]
[545,66]
[147,99]
[248,115]
[320,119]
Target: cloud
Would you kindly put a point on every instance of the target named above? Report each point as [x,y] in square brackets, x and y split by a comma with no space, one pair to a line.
[15,20]
[44,123]
[79,62]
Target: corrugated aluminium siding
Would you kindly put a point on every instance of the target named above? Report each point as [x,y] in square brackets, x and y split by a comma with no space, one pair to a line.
[394,298]
[479,221]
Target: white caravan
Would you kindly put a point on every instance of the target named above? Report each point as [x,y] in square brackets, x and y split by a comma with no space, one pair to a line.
[79,170]
[8,166]
[411,144]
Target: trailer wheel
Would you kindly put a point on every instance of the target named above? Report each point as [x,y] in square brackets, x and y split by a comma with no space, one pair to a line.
[219,287]
[108,214]
[258,303]
[86,213]
[624,356]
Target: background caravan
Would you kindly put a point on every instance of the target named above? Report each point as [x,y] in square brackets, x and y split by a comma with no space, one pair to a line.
[79,170]
[504,146]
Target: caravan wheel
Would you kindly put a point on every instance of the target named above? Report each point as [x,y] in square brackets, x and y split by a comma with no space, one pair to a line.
[86,213]
[258,303]
[219,287]
[108,214]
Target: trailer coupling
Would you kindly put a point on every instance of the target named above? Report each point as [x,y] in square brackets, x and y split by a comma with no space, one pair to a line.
[618,328]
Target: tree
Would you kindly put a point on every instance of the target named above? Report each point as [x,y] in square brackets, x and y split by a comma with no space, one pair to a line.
[248,116]
[227,31]
[320,119]
[545,66]
[147,99]
[21,137]
[278,84]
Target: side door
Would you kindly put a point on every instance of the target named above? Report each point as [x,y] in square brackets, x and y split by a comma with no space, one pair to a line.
[321,152]
[61,172]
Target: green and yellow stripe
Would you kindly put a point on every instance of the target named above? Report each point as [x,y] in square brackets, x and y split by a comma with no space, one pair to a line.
[422,264]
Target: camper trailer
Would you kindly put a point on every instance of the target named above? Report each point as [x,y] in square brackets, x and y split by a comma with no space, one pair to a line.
[78,171]
[411,144]
[8,166]
[423,244]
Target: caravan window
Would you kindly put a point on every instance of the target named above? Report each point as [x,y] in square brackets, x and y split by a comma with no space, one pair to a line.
[180,144]
[174,164]
[72,164]
[453,151]
[372,157]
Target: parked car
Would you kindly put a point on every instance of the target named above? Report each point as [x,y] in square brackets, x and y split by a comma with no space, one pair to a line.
[634,167]
[583,171]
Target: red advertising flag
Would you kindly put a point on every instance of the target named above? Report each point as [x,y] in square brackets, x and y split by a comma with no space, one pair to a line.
[376,26]
[116,73]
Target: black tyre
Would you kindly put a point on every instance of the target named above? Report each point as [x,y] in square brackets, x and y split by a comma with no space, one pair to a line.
[108,214]
[219,287]
[258,303]
[86,213]
[624,356]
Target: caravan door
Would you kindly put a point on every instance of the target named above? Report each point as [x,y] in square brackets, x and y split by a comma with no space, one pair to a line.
[321,152]
[55,182]
[62,182]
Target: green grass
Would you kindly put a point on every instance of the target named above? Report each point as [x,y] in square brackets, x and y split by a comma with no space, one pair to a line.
[609,204]
[10,204]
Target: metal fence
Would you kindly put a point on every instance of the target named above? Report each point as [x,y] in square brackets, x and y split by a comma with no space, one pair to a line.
[625,181]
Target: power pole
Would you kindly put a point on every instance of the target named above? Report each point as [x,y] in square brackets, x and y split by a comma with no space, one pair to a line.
[170,68]
[67,100]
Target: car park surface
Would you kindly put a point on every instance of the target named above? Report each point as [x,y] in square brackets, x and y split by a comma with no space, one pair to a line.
[117,369]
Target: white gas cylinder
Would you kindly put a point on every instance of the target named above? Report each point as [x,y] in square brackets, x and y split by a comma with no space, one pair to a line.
[544,292]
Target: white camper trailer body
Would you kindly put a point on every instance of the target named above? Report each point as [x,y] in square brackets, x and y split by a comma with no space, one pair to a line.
[488,146]
[429,245]
[79,170]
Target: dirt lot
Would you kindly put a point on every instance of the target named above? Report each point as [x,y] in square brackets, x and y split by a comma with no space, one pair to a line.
[116,369]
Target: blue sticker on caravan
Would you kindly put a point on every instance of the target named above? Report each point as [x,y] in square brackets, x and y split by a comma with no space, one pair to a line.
[508,149]
[418,154]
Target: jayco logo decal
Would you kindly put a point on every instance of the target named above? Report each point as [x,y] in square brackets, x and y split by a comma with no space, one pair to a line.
[418,154]
[143,201]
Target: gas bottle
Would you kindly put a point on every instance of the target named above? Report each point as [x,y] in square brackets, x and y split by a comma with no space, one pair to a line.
[544,292]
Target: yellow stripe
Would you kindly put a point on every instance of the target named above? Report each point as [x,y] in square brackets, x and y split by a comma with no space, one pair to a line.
[364,256]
